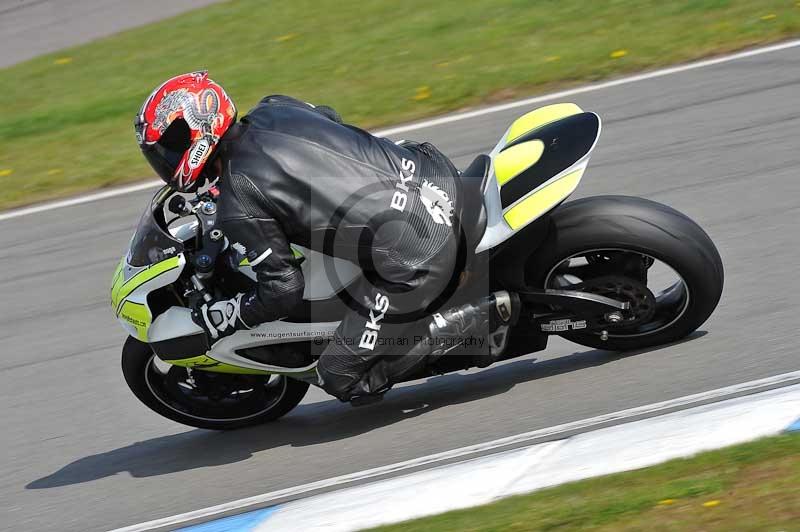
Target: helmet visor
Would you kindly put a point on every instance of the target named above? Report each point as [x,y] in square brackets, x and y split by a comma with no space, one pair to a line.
[166,154]
[163,160]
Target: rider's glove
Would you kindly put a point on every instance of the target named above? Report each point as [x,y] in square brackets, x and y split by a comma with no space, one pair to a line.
[219,318]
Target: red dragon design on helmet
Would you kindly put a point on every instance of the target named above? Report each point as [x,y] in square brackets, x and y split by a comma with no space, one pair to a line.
[180,125]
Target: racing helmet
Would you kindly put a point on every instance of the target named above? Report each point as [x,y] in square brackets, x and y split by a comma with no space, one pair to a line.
[179,126]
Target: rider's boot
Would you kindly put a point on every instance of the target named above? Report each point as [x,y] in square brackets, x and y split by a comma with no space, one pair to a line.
[478,329]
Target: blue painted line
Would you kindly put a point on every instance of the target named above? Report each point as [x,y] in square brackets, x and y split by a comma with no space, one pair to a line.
[239,523]
[794,427]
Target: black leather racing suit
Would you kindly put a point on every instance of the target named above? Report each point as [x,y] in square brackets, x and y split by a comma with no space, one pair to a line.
[295,173]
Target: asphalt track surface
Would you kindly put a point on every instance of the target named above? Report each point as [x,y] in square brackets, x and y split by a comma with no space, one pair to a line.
[29,28]
[721,144]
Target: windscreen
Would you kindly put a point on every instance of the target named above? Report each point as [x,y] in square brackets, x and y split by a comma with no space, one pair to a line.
[152,243]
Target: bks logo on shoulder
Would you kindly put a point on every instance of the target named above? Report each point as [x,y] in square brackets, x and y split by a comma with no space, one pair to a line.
[435,200]
[400,196]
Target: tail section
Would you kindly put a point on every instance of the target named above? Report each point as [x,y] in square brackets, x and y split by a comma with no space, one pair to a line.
[537,164]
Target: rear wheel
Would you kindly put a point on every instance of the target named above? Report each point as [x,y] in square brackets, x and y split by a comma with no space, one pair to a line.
[204,399]
[632,250]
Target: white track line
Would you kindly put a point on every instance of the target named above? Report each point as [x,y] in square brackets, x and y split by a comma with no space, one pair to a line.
[447,119]
[568,428]
[79,200]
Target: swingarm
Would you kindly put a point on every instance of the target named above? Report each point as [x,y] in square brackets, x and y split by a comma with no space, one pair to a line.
[557,311]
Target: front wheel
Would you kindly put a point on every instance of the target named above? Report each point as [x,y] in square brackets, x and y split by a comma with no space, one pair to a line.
[204,399]
[634,250]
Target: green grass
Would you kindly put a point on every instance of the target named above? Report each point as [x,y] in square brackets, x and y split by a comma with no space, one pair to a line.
[755,486]
[65,125]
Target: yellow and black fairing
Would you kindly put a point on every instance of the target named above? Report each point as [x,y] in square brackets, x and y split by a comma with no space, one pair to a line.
[536,165]
[151,312]
[140,295]
[155,259]
[130,287]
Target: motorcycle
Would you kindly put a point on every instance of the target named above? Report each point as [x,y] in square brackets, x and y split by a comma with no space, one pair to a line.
[611,272]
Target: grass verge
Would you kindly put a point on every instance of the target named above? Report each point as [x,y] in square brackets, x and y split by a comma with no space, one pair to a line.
[755,486]
[66,124]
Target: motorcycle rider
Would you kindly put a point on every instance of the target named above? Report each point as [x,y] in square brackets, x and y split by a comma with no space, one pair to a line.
[290,172]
